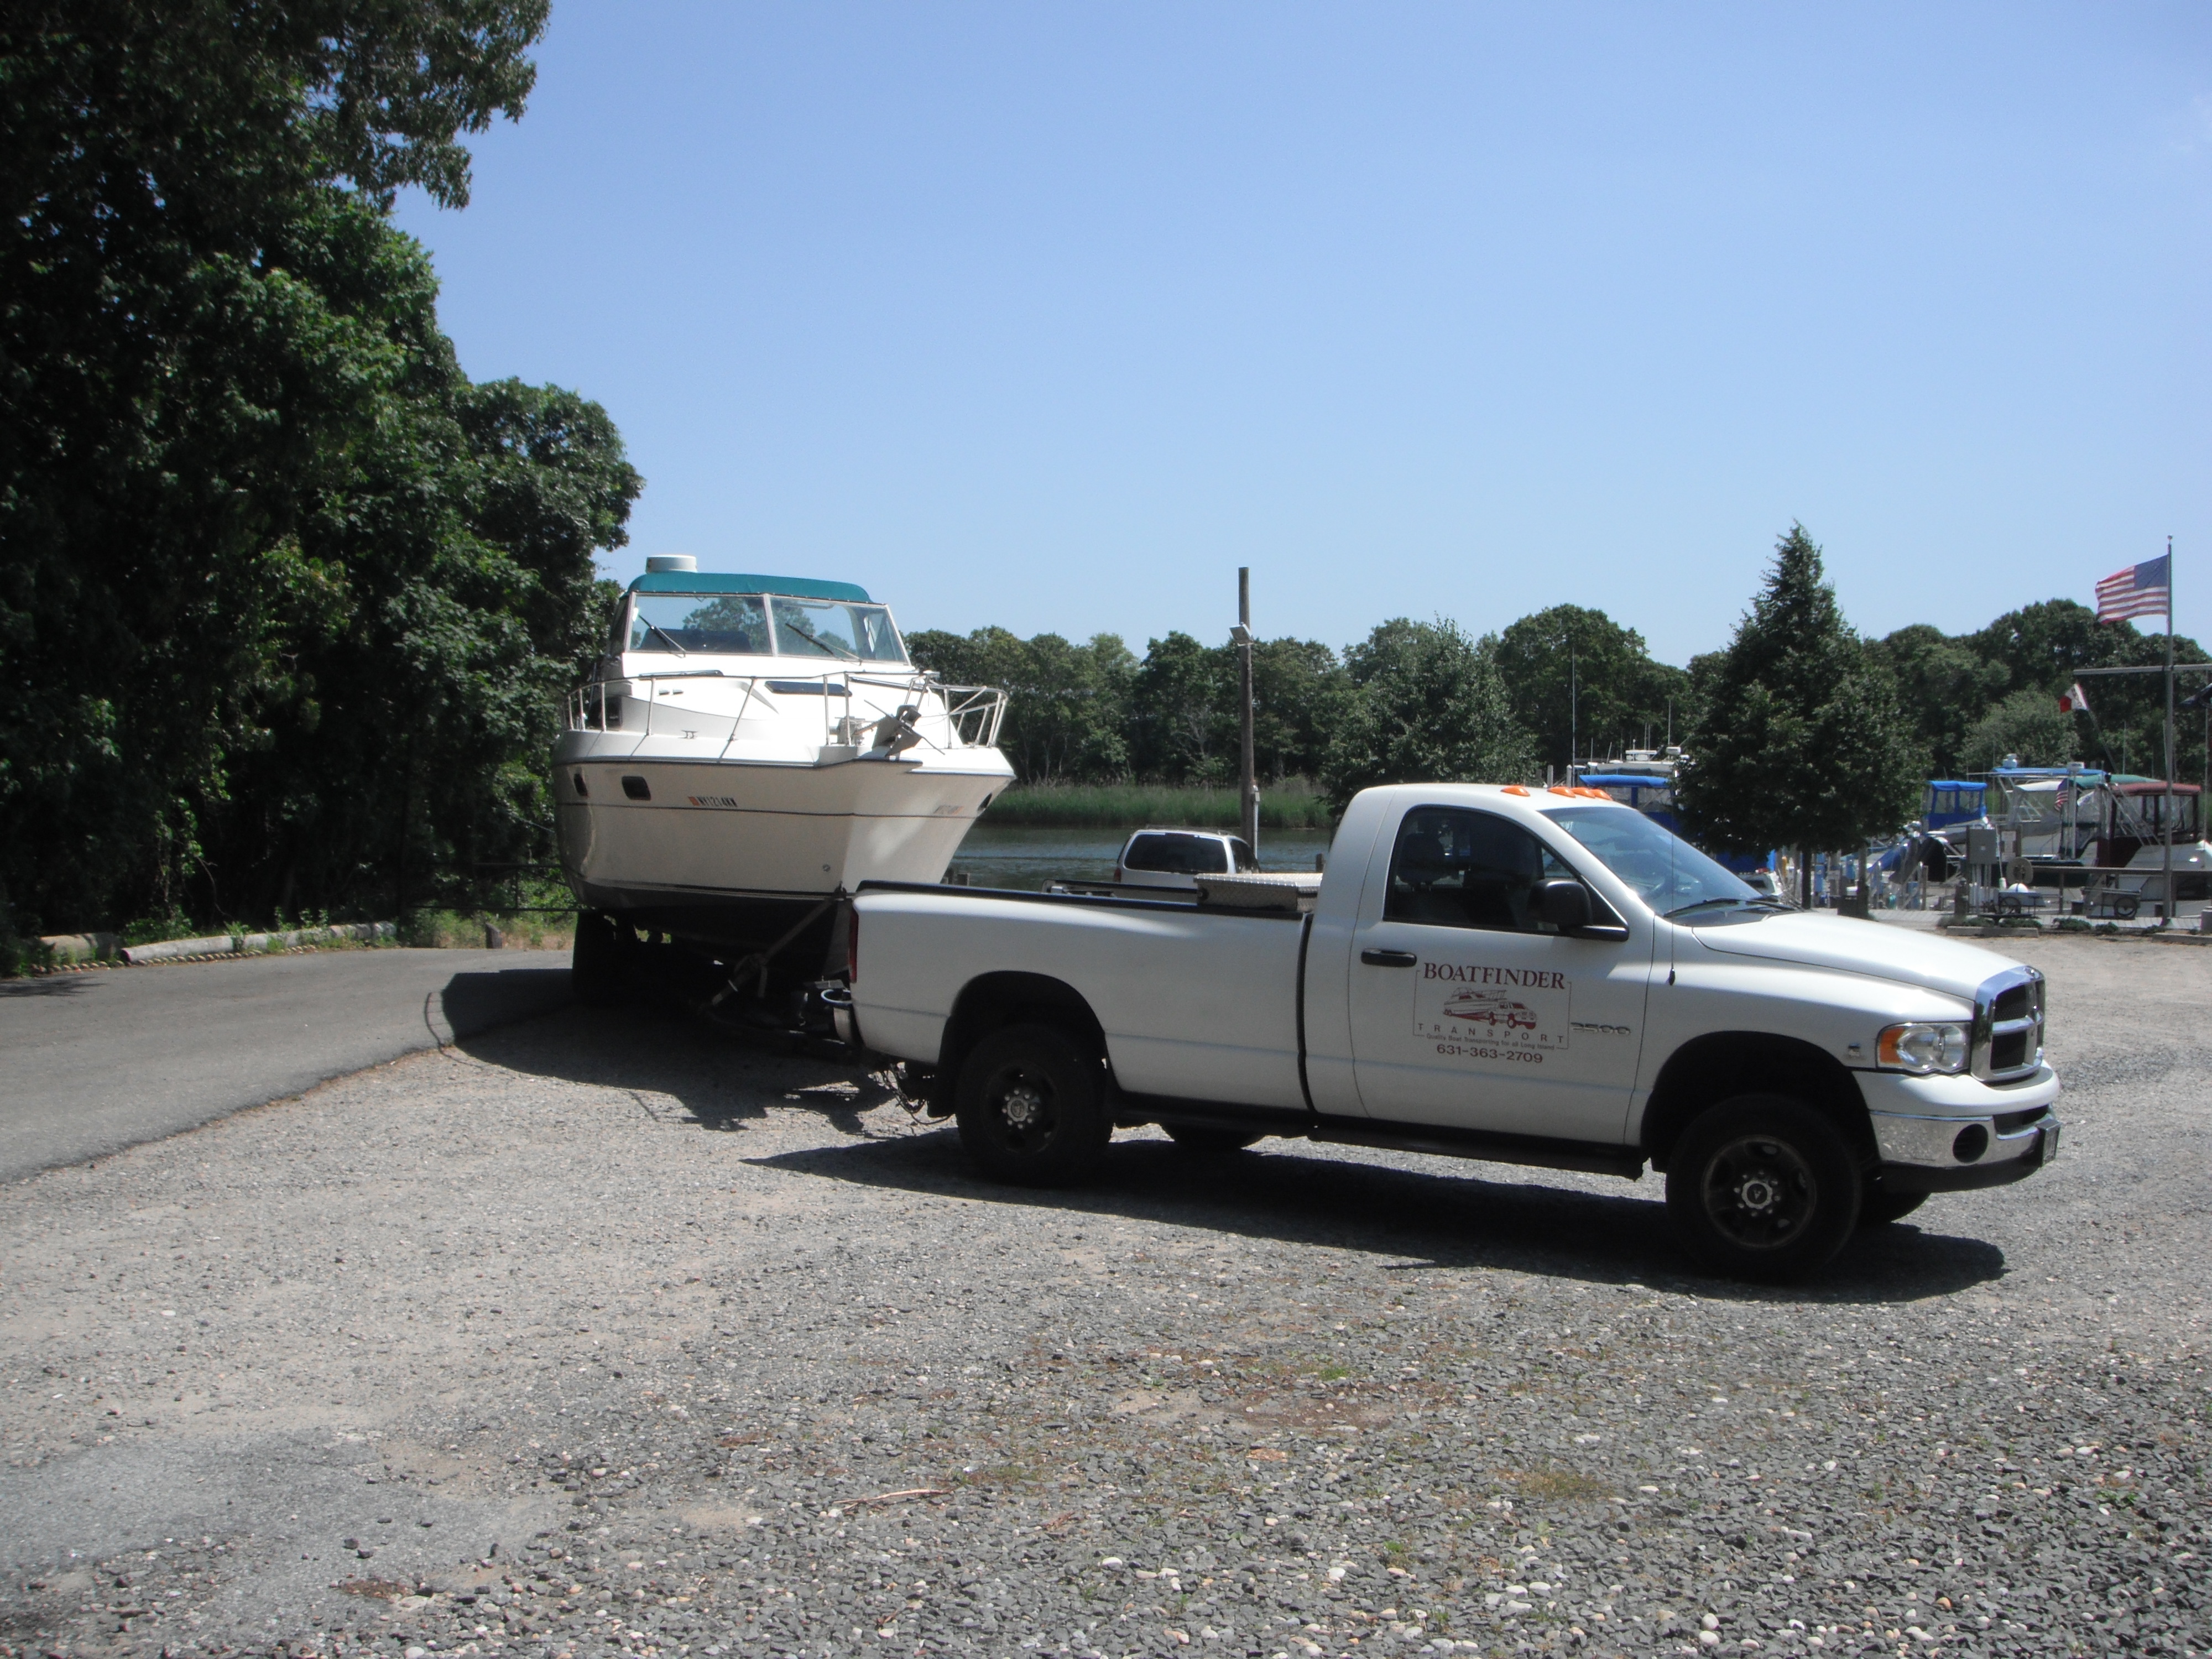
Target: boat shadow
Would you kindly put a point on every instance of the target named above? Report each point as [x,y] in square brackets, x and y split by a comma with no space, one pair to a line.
[721,1081]
[1435,1215]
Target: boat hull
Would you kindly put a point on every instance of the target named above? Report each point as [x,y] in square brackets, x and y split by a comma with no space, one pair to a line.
[735,852]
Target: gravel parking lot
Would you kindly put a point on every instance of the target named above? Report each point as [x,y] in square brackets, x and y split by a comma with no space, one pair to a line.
[600,1334]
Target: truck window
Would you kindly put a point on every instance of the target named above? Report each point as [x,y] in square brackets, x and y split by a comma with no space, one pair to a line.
[1455,868]
[1177,855]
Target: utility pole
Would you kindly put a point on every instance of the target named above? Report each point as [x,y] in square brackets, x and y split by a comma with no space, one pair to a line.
[2166,836]
[1247,783]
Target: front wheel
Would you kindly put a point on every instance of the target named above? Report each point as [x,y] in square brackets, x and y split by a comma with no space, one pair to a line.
[1031,1107]
[1763,1187]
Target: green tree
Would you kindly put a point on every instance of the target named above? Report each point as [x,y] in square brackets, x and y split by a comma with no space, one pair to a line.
[1802,743]
[1299,690]
[1067,705]
[2029,725]
[1427,705]
[1945,685]
[1585,687]
[283,601]
[1183,706]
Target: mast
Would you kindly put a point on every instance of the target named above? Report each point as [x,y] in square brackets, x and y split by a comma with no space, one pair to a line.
[1574,726]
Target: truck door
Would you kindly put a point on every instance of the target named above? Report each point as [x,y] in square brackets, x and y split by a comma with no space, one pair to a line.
[1467,1012]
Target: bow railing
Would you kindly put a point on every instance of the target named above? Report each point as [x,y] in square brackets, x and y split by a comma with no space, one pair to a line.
[901,715]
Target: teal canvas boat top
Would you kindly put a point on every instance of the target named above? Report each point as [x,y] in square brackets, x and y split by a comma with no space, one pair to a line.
[711,581]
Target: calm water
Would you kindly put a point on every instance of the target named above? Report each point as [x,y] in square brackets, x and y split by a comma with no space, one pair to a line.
[1014,856]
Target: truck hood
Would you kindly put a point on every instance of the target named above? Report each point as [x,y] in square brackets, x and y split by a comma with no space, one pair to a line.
[1852,946]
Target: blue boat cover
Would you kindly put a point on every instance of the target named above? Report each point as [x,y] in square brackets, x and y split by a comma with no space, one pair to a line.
[707,581]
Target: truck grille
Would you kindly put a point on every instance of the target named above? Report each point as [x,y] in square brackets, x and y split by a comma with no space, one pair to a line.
[2008,1021]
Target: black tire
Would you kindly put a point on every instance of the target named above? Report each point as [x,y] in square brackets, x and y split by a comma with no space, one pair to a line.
[1209,1143]
[1878,1208]
[1763,1187]
[1031,1107]
[598,963]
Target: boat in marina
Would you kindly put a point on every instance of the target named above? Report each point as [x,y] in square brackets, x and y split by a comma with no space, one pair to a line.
[2077,827]
[751,748]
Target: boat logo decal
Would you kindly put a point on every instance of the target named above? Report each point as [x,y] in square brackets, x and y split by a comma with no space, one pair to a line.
[1473,1004]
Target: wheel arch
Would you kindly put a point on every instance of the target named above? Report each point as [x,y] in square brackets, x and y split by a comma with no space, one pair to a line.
[1719,1065]
[991,1001]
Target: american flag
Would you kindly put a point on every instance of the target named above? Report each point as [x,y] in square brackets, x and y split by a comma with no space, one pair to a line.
[2141,590]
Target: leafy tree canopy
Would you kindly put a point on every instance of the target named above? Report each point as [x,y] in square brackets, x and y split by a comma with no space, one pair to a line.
[1585,687]
[286,604]
[1427,705]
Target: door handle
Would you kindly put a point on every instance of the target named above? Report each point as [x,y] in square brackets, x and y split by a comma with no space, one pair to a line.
[1388,958]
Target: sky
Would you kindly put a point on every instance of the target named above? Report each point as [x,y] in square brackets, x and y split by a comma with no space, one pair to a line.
[1051,315]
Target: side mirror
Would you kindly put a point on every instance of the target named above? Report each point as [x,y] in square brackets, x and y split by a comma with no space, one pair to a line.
[1567,905]
[1564,905]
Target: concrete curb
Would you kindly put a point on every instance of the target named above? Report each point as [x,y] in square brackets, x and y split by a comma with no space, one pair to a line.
[68,948]
[246,945]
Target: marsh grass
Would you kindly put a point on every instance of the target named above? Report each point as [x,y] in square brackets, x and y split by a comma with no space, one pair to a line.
[454,930]
[1293,804]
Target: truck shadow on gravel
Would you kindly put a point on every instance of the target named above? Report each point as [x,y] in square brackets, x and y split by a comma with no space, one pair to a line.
[1439,1218]
[1436,1213]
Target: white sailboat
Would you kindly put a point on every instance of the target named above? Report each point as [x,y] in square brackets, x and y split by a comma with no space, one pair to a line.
[752,747]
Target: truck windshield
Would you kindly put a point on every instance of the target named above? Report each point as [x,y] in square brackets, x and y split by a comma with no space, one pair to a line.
[1667,872]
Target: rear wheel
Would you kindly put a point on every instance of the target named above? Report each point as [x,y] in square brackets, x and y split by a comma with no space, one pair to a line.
[1031,1107]
[599,975]
[1763,1187]
[1209,1143]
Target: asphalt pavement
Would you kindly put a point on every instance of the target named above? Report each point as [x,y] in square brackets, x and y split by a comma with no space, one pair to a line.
[91,1063]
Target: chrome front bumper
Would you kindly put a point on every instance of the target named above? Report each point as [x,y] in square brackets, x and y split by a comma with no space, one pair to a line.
[1941,1134]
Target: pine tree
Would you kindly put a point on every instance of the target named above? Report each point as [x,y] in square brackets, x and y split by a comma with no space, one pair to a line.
[1803,743]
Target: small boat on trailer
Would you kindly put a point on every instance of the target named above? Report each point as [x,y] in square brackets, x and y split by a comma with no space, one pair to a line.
[751,749]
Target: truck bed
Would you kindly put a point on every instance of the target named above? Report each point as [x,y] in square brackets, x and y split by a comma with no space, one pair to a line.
[1228,1033]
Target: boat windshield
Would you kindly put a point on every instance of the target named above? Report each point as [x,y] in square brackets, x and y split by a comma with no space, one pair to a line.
[832,627]
[739,625]
[1667,872]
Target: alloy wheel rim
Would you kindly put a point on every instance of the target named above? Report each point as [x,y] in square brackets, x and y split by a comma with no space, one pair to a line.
[1760,1193]
[1021,1109]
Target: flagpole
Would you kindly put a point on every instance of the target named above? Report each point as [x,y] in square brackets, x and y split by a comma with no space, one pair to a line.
[2166,860]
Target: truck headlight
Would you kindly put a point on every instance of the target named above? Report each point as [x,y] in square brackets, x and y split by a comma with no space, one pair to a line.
[1923,1049]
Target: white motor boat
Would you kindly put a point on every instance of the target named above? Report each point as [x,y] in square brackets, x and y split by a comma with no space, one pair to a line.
[751,748]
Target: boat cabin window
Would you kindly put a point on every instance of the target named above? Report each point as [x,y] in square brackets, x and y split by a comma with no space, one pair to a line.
[715,624]
[831,627]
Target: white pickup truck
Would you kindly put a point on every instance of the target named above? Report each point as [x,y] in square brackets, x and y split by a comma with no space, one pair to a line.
[1527,975]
